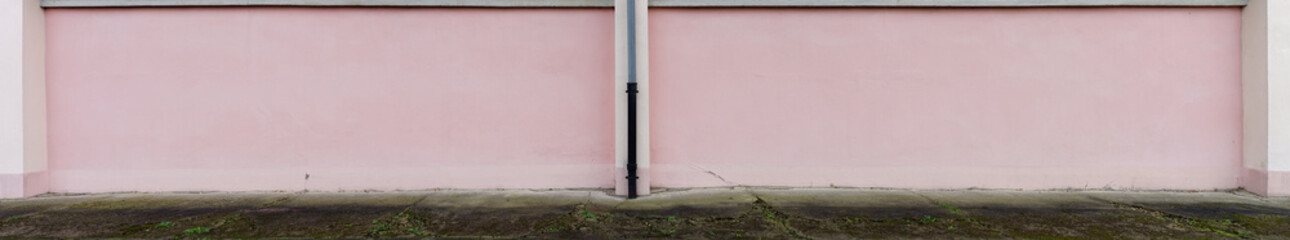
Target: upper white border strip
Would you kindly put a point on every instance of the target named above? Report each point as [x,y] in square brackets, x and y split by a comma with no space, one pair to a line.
[653,3]
[327,3]
[948,3]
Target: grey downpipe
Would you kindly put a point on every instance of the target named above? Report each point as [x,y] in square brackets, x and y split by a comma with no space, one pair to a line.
[631,99]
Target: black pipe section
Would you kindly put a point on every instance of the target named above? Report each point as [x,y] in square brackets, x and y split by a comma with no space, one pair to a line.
[631,99]
[631,140]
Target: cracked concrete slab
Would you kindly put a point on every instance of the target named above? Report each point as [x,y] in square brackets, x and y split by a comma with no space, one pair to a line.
[313,214]
[1003,201]
[708,213]
[466,199]
[128,213]
[17,207]
[368,199]
[1195,204]
[835,202]
[1065,214]
[179,200]
[718,202]
[1280,202]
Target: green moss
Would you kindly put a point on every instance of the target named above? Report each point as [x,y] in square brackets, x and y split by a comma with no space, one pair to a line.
[197,230]
[163,225]
[952,209]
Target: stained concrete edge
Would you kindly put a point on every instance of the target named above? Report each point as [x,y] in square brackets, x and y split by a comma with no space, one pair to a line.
[686,198]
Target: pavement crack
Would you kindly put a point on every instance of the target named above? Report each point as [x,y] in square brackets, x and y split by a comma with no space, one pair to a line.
[620,203]
[279,201]
[1186,222]
[778,218]
[755,196]
[588,200]
[233,217]
[422,199]
[965,216]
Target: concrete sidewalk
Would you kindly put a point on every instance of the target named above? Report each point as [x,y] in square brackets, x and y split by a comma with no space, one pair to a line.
[711,213]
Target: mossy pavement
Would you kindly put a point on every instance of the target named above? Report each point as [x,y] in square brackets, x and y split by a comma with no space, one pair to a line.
[707,213]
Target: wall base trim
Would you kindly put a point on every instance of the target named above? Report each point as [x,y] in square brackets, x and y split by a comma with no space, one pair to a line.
[1266,183]
[20,185]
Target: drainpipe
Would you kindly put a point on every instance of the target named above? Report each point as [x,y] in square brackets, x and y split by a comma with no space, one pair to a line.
[631,140]
[631,99]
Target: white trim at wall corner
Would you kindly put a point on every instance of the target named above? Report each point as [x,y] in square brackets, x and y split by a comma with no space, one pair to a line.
[654,3]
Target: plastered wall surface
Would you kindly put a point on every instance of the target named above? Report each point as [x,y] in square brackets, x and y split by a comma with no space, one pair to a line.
[1038,98]
[177,99]
[180,99]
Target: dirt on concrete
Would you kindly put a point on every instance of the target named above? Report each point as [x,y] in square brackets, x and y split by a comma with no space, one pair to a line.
[710,213]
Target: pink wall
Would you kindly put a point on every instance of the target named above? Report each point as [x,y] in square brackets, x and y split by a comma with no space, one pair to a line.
[167,99]
[1145,98]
